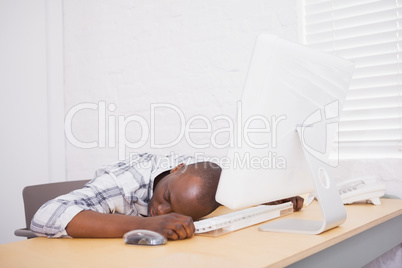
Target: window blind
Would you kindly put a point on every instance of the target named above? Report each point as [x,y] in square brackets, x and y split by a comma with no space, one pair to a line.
[369,33]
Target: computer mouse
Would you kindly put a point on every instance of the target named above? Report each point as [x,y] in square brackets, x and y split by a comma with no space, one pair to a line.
[144,237]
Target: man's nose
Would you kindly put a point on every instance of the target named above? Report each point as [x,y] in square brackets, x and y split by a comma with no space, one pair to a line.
[164,209]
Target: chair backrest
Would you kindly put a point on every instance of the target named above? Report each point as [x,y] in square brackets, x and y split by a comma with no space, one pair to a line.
[36,195]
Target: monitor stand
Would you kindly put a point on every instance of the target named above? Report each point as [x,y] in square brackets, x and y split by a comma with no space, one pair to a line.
[332,208]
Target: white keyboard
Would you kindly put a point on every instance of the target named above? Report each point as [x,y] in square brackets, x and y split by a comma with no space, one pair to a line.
[240,219]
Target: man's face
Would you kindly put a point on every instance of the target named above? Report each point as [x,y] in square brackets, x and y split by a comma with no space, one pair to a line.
[177,192]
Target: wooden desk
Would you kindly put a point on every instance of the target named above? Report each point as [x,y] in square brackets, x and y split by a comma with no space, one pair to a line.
[244,248]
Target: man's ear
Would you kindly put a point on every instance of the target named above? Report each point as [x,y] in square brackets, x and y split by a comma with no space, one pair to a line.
[173,170]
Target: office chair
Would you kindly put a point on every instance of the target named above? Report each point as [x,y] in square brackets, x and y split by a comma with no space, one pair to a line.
[36,195]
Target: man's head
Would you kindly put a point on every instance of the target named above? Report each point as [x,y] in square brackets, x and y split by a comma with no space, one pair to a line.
[188,189]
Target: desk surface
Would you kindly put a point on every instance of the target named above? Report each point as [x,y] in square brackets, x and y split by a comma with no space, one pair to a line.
[244,248]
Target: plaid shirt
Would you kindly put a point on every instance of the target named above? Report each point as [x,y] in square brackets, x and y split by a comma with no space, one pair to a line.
[123,188]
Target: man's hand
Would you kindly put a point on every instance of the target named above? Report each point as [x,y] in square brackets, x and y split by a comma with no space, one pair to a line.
[173,226]
[296,200]
[94,224]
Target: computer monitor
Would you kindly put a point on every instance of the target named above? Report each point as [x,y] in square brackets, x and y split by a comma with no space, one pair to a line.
[289,107]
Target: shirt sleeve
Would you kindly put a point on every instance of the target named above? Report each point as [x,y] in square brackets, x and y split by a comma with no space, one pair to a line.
[102,194]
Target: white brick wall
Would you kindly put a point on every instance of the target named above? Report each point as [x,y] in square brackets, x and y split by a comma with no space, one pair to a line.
[192,54]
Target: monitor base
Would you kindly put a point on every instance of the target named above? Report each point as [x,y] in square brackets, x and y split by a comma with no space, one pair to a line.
[331,206]
[293,226]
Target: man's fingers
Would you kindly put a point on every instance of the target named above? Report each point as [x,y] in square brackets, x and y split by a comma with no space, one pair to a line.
[297,203]
[178,226]
[180,231]
[296,200]
[189,227]
[170,234]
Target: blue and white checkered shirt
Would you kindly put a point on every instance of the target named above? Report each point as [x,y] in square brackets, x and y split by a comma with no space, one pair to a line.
[123,188]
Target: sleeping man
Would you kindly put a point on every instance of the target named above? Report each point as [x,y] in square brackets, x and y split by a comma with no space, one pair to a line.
[152,192]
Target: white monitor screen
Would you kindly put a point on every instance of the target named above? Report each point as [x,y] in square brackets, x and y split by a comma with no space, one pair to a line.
[287,85]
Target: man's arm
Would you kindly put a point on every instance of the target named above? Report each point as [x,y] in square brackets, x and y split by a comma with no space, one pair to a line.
[98,210]
[296,200]
[89,223]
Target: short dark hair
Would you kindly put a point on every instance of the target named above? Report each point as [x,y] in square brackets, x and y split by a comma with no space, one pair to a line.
[209,173]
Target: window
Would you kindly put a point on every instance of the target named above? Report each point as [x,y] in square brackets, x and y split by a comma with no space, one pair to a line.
[369,33]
